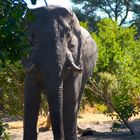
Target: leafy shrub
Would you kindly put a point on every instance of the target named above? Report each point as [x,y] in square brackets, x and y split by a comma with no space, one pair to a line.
[118,105]
[13,38]
[3,127]
[101,107]
[117,78]
[14,46]
[11,83]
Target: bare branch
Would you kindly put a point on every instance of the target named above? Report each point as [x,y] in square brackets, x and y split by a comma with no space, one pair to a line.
[98,91]
[104,9]
[110,6]
[126,14]
[46,2]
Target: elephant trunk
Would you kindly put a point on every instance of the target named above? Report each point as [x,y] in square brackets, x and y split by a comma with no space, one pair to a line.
[54,91]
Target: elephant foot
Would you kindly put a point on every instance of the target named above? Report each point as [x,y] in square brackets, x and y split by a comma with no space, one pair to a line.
[30,136]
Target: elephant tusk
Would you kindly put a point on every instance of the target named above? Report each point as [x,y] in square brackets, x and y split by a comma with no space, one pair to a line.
[76,68]
[28,69]
[71,63]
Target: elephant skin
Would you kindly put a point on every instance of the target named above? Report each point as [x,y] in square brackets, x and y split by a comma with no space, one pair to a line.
[62,59]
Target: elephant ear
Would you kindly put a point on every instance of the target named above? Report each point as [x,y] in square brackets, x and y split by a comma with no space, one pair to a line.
[74,23]
[71,28]
[76,32]
[71,23]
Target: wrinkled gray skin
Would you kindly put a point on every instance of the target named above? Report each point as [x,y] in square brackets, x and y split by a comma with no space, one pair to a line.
[62,59]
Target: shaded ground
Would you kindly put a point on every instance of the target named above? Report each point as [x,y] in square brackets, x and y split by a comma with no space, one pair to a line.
[99,127]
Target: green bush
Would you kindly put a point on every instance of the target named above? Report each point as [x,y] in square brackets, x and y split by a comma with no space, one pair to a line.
[117,78]
[11,83]
[14,46]
[13,39]
[3,127]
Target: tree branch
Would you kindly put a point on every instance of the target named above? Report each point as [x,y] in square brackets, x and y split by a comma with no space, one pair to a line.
[126,14]
[46,2]
[110,6]
[97,91]
[104,9]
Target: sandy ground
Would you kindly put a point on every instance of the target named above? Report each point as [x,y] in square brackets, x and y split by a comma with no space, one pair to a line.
[99,125]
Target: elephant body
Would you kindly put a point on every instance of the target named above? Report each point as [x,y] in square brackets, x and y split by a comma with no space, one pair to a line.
[61,61]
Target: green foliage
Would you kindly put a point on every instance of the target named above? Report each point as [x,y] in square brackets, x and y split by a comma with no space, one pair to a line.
[124,106]
[14,46]
[84,24]
[115,126]
[117,77]
[3,127]
[115,45]
[101,107]
[13,42]
[116,98]
[11,84]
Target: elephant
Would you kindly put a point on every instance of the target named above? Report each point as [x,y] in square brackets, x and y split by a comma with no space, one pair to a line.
[63,57]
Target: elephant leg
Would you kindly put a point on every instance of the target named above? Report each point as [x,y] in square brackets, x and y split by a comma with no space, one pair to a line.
[32,96]
[70,106]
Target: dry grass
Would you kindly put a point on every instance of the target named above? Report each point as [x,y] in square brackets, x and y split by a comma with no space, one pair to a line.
[86,116]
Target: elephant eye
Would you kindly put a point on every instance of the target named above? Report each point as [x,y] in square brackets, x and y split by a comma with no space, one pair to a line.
[71,47]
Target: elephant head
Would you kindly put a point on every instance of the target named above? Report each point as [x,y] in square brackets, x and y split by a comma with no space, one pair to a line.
[65,27]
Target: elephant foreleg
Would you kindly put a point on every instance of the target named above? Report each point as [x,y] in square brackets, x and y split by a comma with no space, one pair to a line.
[31,107]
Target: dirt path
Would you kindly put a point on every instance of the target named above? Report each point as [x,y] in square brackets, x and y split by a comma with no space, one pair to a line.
[99,129]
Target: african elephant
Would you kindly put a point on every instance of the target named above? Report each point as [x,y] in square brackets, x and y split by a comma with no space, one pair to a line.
[61,61]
